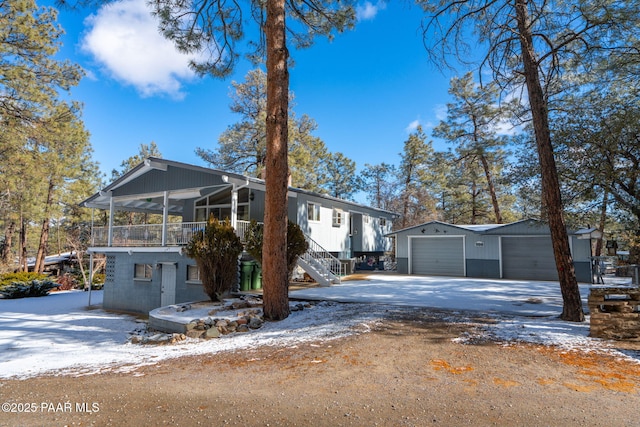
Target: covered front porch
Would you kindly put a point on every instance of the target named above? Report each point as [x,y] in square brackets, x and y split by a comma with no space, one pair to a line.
[157,204]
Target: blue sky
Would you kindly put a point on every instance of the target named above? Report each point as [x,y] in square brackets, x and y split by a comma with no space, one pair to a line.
[367,89]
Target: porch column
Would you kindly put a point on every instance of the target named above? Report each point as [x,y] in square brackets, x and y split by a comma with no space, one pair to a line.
[110,231]
[165,217]
[234,207]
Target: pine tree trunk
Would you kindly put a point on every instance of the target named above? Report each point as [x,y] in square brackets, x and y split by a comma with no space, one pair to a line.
[603,219]
[23,244]
[8,242]
[492,188]
[44,233]
[572,304]
[274,252]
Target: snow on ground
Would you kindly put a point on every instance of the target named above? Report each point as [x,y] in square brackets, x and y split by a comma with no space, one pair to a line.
[60,334]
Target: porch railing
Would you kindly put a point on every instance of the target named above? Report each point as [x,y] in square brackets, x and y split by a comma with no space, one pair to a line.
[178,234]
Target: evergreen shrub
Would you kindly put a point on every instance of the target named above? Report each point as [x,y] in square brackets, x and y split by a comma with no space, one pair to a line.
[216,250]
[21,276]
[297,245]
[34,288]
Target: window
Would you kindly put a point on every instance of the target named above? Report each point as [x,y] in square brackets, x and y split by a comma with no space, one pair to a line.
[338,217]
[142,271]
[193,273]
[313,211]
[365,218]
[383,222]
[219,205]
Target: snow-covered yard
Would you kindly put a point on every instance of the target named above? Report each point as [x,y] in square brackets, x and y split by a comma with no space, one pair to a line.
[60,334]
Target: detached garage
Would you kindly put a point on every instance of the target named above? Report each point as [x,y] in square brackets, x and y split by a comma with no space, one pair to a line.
[521,250]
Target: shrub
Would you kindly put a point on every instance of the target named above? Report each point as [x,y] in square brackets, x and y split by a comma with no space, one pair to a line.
[216,250]
[35,288]
[98,281]
[66,282]
[296,243]
[22,276]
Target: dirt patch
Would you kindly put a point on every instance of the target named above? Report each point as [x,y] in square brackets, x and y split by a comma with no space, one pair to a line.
[409,370]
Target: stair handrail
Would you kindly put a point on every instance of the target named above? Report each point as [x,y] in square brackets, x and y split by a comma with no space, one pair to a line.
[318,255]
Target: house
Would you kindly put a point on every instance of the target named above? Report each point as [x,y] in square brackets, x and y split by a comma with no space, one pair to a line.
[56,265]
[145,264]
[521,250]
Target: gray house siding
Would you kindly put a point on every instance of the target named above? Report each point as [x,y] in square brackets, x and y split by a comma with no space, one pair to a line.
[156,181]
[124,292]
[483,268]
[482,256]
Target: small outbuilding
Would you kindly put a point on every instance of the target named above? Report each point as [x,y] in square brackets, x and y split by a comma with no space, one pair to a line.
[521,250]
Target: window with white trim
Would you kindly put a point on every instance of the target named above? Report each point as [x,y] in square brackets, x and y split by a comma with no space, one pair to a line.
[313,211]
[338,217]
[193,273]
[142,271]
[383,222]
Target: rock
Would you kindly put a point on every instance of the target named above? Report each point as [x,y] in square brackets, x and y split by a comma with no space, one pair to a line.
[184,307]
[242,321]
[135,339]
[212,333]
[194,333]
[242,328]
[158,339]
[191,325]
[255,323]
[240,304]
[221,323]
[297,307]
[178,337]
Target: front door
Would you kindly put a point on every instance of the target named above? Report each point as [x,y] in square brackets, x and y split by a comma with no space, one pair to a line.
[168,288]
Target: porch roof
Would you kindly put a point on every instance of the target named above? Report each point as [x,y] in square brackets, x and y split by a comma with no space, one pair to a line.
[153,201]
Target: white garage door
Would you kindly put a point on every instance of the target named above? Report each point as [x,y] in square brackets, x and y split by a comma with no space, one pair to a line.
[440,256]
[528,258]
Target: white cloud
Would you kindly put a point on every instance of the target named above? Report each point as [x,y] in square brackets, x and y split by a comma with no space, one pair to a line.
[412,126]
[441,112]
[368,11]
[123,37]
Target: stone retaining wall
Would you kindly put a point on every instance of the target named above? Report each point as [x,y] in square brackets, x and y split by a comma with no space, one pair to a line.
[615,313]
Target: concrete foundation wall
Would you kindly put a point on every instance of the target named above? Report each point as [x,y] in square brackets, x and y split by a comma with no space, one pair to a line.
[123,292]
